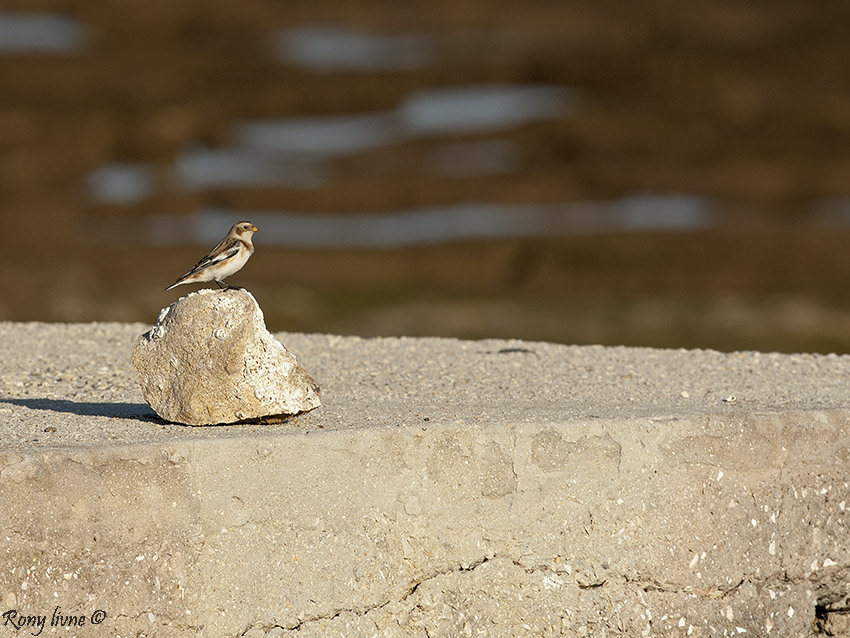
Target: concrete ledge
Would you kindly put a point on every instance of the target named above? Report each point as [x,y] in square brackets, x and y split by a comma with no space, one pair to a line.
[446,488]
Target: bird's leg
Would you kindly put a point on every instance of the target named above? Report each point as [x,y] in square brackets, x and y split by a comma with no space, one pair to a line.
[225,286]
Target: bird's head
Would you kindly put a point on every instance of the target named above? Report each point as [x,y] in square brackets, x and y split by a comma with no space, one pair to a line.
[244,229]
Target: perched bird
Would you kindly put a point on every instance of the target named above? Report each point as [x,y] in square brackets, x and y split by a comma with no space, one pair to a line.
[226,258]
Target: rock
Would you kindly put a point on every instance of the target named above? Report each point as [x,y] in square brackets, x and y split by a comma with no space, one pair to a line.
[210,360]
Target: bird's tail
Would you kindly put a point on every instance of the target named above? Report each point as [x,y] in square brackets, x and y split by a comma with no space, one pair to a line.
[183,279]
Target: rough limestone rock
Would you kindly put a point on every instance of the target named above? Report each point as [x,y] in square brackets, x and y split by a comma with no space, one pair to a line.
[210,360]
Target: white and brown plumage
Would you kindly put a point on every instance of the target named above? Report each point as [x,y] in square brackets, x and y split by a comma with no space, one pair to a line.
[226,258]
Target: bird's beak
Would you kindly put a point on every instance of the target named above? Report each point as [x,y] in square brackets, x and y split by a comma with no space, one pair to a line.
[254,228]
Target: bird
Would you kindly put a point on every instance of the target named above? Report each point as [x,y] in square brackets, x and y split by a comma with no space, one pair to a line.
[229,255]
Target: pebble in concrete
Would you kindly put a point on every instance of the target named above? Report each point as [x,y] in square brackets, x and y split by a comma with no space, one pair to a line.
[210,360]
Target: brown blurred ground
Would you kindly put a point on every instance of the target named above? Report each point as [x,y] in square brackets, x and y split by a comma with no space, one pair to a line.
[746,103]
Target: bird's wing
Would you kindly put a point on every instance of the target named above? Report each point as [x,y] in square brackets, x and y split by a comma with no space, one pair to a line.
[225,250]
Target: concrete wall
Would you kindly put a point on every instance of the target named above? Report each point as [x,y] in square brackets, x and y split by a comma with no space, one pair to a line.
[701,525]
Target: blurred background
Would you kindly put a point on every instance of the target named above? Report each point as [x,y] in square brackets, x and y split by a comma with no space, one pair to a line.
[655,173]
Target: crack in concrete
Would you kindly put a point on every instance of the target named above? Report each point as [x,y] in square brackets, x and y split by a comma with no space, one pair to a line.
[136,617]
[362,611]
[711,593]
[719,592]
[455,570]
[169,622]
[513,468]
[646,586]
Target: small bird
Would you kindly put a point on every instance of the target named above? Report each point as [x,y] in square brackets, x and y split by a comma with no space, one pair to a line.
[225,259]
